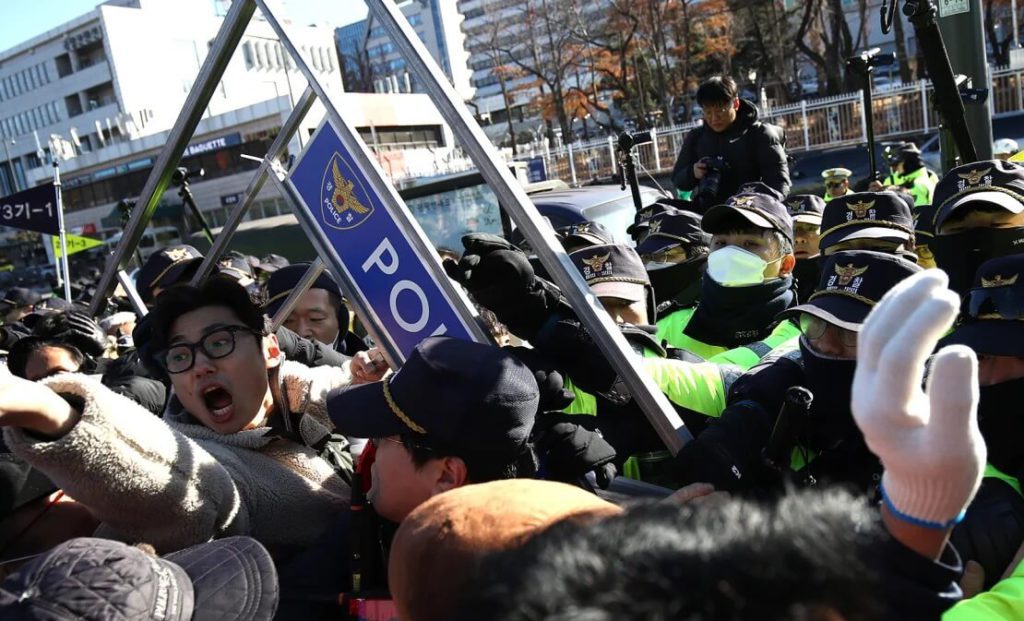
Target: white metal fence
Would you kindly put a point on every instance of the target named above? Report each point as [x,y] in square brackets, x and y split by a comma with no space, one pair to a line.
[837,121]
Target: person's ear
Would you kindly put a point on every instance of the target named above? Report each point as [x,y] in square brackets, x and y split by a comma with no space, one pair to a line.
[452,474]
[272,351]
[787,265]
[736,103]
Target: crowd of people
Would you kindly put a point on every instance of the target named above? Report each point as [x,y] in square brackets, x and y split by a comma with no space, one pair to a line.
[851,369]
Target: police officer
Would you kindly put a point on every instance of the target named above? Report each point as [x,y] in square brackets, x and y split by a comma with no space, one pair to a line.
[979,215]
[583,234]
[991,325]
[909,173]
[806,211]
[320,313]
[675,254]
[837,183]
[747,283]
[878,221]
[823,444]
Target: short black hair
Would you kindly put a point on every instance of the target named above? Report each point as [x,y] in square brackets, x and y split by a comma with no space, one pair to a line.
[809,553]
[719,89]
[218,290]
[480,467]
[17,359]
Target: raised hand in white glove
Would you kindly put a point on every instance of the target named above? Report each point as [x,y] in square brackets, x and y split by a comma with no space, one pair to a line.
[928,441]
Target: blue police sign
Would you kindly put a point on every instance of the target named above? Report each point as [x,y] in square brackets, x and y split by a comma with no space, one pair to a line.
[32,210]
[378,256]
[535,170]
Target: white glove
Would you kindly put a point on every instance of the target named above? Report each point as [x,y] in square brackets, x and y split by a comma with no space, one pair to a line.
[928,442]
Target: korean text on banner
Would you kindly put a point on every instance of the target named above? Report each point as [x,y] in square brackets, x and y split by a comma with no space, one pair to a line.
[377,254]
[32,210]
[75,243]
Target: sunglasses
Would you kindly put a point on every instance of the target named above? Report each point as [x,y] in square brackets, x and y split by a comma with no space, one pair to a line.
[814,329]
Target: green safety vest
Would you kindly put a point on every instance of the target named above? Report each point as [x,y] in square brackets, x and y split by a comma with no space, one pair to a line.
[1005,600]
[670,330]
[921,185]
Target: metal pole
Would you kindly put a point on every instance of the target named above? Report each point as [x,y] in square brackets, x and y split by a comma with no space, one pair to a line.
[312,273]
[1013,13]
[388,196]
[657,151]
[198,99]
[807,129]
[60,229]
[611,154]
[511,196]
[132,293]
[924,103]
[280,144]
[572,164]
[869,127]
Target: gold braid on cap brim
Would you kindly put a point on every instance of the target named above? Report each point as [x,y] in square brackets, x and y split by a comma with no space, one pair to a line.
[386,384]
[847,294]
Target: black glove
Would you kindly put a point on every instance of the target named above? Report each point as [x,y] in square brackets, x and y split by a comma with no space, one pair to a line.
[553,394]
[83,332]
[700,461]
[499,276]
[569,451]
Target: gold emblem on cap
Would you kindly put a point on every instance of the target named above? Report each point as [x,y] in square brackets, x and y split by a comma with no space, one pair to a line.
[998,281]
[860,209]
[344,198]
[974,176]
[655,227]
[743,201]
[597,262]
[177,254]
[848,273]
[581,228]
[795,206]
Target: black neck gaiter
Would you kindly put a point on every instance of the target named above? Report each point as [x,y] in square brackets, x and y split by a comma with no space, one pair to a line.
[734,316]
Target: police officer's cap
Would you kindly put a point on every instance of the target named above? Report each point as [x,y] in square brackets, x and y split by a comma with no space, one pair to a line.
[992,322]
[924,224]
[613,271]
[760,187]
[673,228]
[836,173]
[472,398]
[851,283]
[663,205]
[19,297]
[745,209]
[989,183]
[866,215]
[167,267]
[271,263]
[235,265]
[281,283]
[806,208]
[581,234]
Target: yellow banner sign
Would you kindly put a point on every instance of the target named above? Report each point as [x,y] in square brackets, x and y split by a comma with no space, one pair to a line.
[75,243]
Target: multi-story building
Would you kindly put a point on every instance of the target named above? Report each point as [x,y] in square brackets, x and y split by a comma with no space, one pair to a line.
[438,24]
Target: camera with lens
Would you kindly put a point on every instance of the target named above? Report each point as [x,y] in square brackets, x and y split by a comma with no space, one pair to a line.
[707,189]
[864,62]
[628,140]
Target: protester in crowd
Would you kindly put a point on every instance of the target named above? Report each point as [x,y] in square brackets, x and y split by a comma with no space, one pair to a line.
[810,555]
[806,211]
[320,314]
[837,183]
[732,146]
[879,221]
[979,215]
[241,455]
[98,579]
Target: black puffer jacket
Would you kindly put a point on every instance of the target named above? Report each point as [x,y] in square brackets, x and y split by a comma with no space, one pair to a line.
[755,151]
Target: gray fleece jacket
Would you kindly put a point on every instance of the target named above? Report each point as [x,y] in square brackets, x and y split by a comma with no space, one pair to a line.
[173,482]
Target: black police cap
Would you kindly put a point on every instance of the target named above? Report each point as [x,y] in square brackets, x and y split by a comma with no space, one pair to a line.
[473,398]
[805,207]
[866,215]
[993,182]
[852,282]
[613,270]
[992,322]
[283,281]
[758,209]
[671,228]
[165,268]
[760,187]
[584,234]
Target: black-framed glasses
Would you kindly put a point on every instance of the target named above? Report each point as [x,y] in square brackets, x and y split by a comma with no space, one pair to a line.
[219,343]
[815,327]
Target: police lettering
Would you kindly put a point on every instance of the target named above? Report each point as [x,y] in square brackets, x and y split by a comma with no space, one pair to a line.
[385,259]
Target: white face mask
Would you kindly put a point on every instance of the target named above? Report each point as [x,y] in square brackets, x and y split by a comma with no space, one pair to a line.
[733,266]
[653,266]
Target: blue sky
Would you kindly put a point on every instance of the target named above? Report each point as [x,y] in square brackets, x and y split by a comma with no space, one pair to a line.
[24,19]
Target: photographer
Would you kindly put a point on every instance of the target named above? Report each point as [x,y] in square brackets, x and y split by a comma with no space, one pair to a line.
[731,148]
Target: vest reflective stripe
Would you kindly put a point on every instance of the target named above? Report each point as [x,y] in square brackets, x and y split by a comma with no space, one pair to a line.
[747,356]
[922,184]
[670,329]
[993,472]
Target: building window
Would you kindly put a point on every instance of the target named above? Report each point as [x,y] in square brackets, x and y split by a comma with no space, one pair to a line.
[63,63]
[247,55]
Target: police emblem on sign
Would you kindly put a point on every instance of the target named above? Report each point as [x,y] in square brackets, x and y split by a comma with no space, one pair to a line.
[339,206]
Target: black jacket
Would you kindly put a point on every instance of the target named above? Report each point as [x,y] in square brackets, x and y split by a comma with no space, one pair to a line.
[755,151]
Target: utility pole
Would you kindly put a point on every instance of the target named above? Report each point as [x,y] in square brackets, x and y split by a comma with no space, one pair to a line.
[962,27]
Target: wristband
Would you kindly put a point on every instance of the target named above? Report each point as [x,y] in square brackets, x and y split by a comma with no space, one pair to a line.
[918,521]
